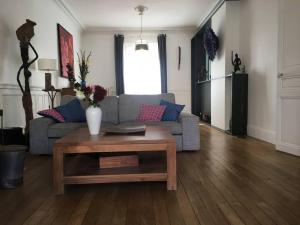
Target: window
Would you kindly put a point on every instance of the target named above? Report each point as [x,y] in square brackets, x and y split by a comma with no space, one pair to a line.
[141,69]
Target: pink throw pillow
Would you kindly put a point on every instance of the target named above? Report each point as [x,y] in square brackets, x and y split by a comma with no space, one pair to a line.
[52,113]
[151,112]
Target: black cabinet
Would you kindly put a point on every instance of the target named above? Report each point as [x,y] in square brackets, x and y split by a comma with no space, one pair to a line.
[239,104]
[201,87]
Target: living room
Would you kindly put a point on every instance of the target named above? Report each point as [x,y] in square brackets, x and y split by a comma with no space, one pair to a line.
[151,58]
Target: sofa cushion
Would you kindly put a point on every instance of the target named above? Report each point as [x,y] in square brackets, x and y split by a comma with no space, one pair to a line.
[53,114]
[59,130]
[67,98]
[174,127]
[109,106]
[129,104]
[150,112]
[72,111]
[172,111]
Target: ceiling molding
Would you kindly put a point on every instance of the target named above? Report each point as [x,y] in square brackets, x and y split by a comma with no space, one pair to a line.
[66,8]
[133,29]
[211,12]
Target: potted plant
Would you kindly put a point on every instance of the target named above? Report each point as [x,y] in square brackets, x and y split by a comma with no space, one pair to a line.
[83,67]
[94,94]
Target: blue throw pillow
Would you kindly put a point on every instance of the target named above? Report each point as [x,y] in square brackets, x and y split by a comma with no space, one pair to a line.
[172,111]
[72,111]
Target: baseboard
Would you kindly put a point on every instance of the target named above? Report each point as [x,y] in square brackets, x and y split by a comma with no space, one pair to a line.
[288,148]
[262,134]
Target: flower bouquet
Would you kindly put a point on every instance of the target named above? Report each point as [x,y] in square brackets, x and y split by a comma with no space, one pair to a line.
[94,94]
[83,66]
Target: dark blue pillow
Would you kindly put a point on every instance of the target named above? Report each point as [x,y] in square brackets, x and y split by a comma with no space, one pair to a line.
[72,111]
[172,111]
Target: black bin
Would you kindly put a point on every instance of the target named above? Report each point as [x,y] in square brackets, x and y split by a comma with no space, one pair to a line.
[11,165]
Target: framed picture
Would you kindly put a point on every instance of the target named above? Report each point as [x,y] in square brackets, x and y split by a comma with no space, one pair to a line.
[65,48]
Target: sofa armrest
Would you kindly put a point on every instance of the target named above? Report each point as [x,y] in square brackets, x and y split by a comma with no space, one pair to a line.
[38,133]
[190,131]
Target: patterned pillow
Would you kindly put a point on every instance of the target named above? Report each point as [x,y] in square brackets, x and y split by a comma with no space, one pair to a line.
[172,111]
[52,113]
[151,112]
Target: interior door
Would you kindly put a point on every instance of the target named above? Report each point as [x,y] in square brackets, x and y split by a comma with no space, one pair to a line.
[288,111]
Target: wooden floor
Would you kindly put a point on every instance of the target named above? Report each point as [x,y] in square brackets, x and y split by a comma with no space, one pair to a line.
[230,181]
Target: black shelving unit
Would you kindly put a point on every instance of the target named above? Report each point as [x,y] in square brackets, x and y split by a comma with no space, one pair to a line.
[239,104]
[200,84]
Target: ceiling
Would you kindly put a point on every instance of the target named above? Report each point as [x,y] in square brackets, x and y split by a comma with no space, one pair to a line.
[120,14]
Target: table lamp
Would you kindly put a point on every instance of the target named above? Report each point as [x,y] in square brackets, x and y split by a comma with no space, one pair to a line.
[47,65]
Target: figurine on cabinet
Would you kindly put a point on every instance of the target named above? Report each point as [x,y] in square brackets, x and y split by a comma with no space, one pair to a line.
[236,62]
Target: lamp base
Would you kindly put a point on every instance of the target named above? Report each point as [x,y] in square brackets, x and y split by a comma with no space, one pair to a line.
[47,81]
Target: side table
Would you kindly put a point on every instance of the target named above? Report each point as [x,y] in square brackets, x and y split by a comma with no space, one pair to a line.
[52,94]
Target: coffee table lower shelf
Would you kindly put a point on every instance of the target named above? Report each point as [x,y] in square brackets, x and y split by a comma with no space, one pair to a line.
[84,169]
[116,178]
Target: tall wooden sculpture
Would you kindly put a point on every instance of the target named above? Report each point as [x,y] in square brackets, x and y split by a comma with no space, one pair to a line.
[24,35]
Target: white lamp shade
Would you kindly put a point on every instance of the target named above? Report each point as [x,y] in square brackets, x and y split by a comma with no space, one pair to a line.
[47,64]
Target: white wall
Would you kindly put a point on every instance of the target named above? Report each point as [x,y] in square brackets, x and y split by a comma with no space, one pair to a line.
[218,110]
[102,69]
[46,13]
[225,23]
[218,24]
[258,47]
[249,27]
[179,81]
[232,34]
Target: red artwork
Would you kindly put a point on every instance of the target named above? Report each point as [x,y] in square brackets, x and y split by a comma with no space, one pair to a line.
[66,54]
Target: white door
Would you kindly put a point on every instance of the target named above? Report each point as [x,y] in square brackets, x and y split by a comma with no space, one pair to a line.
[288,111]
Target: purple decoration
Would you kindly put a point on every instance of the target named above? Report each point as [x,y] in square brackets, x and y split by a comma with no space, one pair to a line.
[211,43]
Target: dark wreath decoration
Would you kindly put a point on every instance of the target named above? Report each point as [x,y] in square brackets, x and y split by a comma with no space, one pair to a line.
[211,43]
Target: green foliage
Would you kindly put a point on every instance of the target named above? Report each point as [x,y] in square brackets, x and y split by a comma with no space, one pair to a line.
[83,64]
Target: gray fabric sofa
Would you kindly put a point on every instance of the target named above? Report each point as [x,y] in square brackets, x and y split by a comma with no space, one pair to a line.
[116,110]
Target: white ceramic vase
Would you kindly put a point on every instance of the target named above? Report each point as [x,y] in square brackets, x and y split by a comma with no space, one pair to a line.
[93,118]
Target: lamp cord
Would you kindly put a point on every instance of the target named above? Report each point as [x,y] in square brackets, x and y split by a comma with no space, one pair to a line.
[141,26]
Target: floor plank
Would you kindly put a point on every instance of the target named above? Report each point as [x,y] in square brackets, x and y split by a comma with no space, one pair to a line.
[230,181]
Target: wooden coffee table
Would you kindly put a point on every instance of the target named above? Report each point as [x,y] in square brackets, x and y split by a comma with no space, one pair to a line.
[80,141]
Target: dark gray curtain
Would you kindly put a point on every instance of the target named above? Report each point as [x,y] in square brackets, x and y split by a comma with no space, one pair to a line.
[161,39]
[119,42]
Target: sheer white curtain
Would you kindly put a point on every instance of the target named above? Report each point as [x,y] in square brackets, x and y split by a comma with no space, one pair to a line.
[141,69]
